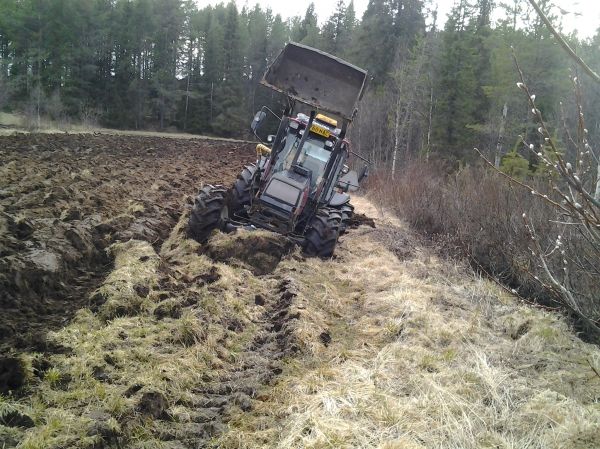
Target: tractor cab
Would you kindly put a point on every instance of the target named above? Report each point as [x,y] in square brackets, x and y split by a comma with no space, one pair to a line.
[306,150]
[312,156]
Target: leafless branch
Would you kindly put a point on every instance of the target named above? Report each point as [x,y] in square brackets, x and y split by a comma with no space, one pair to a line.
[563,43]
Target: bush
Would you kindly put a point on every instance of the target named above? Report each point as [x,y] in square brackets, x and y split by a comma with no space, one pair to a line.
[476,214]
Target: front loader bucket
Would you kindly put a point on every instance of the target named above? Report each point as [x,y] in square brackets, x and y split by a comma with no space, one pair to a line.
[318,79]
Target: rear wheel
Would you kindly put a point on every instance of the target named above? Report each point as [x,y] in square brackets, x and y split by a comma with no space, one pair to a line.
[210,212]
[322,233]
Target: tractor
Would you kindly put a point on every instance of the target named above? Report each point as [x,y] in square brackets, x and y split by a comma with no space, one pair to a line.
[299,184]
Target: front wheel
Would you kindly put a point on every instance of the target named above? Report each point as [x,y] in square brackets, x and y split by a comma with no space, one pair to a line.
[322,233]
[210,212]
[240,194]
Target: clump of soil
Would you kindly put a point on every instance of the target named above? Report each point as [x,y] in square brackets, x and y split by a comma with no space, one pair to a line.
[173,362]
[12,374]
[259,251]
[360,220]
[153,404]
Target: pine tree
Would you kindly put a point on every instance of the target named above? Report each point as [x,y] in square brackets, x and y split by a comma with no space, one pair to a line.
[168,29]
[346,40]
[409,23]
[457,104]
[229,115]
[334,30]
[375,44]
[307,30]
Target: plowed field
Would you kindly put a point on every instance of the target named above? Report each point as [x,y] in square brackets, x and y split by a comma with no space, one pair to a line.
[65,198]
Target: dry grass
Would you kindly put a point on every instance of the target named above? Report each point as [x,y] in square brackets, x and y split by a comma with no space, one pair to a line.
[411,352]
[423,355]
[90,396]
[14,123]
[475,214]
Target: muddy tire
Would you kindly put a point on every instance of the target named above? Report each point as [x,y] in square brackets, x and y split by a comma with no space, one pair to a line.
[209,212]
[240,192]
[322,233]
[347,212]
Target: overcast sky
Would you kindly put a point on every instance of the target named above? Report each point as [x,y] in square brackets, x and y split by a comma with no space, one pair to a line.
[586,23]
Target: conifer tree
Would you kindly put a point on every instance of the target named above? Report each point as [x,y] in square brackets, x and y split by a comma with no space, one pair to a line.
[334,30]
[374,44]
[170,64]
[307,30]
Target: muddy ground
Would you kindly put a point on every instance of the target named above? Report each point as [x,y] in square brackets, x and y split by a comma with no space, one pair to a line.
[65,198]
[116,329]
[120,332]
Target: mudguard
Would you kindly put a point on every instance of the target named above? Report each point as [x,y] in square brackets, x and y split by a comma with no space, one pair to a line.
[338,199]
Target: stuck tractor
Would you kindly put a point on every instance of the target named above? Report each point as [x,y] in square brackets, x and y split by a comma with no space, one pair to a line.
[299,184]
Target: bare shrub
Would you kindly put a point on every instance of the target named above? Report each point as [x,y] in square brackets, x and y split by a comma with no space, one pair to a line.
[476,214]
[89,116]
[53,106]
[54,109]
[5,92]
[45,111]
[33,109]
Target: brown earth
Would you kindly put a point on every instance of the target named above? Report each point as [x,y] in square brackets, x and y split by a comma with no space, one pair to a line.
[243,342]
[65,198]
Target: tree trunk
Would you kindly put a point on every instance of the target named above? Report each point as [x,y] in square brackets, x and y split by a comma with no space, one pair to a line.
[187,87]
[597,194]
[396,137]
[498,155]
[429,124]
[212,87]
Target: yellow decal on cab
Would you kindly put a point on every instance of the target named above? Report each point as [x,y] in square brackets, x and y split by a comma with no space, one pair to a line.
[320,130]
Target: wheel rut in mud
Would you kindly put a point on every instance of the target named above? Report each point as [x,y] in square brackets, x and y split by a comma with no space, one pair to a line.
[250,328]
[238,389]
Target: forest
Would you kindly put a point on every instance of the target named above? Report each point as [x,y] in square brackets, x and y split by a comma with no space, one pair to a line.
[169,65]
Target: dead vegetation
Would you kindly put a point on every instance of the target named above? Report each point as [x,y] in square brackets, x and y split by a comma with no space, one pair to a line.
[477,215]
[420,354]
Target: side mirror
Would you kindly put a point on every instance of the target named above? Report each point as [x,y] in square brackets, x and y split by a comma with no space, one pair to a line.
[270,138]
[363,173]
[258,117]
[349,182]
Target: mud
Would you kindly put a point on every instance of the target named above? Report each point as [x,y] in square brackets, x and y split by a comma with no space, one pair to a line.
[258,251]
[360,220]
[237,382]
[12,374]
[65,198]
[223,396]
